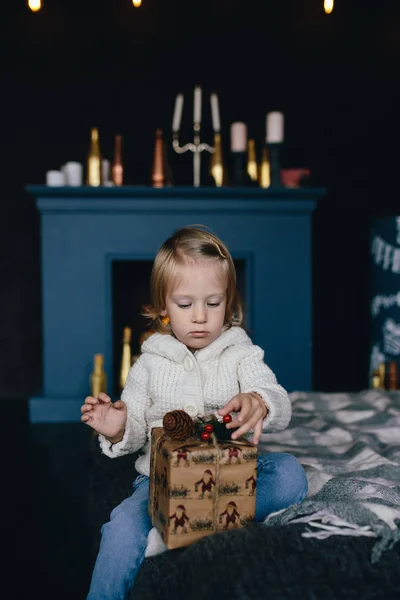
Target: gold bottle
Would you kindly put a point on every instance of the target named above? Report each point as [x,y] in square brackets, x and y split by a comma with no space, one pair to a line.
[378,377]
[252,167]
[265,170]
[216,164]
[117,169]
[126,360]
[382,374]
[94,166]
[158,175]
[98,378]
[393,375]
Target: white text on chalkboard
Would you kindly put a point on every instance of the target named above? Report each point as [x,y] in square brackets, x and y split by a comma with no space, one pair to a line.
[385,255]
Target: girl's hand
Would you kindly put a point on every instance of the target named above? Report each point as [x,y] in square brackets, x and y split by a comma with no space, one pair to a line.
[106,418]
[252,412]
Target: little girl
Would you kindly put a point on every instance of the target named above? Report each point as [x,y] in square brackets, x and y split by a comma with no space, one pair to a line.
[199,360]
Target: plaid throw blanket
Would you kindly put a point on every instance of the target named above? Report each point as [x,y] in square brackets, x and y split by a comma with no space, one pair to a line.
[349,445]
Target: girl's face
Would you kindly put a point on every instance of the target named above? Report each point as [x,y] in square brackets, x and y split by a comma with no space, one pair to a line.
[196,303]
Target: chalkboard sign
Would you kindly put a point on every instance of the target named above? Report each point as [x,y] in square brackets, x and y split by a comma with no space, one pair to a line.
[385,292]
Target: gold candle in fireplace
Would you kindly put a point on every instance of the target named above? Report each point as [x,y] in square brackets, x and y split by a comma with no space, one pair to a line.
[126,360]
[93,176]
[98,378]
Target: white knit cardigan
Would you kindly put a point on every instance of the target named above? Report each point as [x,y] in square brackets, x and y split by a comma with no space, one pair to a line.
[168,376]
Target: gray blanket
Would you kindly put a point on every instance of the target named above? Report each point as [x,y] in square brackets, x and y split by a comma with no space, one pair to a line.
[349,445]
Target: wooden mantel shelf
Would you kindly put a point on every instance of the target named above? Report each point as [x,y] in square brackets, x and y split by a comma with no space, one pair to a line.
[174,199]
[128,191]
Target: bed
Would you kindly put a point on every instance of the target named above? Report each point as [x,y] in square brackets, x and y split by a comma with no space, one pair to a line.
[341,542]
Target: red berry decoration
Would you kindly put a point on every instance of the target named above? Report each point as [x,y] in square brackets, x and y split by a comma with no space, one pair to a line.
[227,418]
[209,428]
[205,436]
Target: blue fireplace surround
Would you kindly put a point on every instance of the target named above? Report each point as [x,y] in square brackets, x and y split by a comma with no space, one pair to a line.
[85,229]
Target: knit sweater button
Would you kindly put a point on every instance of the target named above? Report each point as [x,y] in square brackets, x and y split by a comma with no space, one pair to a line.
[188,364]
[191,410]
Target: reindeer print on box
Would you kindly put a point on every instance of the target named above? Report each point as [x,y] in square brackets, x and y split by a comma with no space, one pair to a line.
[200,487]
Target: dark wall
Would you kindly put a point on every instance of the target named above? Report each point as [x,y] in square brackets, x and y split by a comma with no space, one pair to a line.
[71,67]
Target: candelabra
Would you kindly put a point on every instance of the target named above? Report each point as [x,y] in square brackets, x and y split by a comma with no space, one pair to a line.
[197,146]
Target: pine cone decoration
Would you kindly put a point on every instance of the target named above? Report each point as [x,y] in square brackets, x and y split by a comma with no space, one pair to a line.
[178,424]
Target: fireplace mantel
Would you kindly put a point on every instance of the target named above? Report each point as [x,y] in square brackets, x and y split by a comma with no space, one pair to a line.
[83,230]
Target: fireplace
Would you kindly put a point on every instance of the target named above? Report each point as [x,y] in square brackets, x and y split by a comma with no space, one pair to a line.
[93,239]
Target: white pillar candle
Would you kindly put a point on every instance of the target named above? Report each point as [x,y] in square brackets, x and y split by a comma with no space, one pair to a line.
[55,178]
[274,128]
[105,170]
[238,137]
[176,123]
[197,105]
[215,113]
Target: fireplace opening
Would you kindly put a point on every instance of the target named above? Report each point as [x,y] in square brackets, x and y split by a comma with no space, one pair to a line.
[130,280]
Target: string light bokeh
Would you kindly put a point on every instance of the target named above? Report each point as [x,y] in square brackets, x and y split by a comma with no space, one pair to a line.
[35,5]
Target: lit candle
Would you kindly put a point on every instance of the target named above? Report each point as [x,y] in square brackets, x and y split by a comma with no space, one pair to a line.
[197,105]
[215,113]
[176,123]
[238,137]
[275,126]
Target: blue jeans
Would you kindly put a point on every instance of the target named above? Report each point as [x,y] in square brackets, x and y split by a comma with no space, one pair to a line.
[281,482]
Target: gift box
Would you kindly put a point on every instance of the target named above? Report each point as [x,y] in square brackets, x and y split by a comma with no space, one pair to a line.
[200,487]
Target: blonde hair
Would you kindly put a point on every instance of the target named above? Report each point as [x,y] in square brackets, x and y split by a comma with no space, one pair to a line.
[194,242]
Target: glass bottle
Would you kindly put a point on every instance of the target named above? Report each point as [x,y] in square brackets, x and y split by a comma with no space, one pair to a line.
[94,163]
[158,175]
[217,165]
[265,170]
[117,169]
[252,167]
[126,360]
[98,378]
